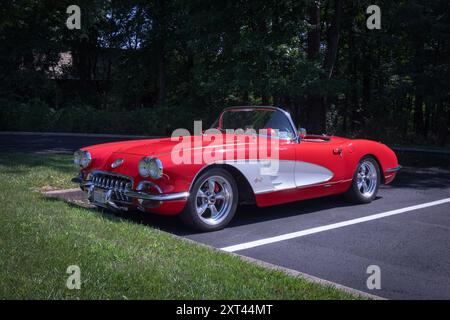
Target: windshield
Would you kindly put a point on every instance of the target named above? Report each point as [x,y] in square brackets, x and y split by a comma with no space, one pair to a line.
[255,119]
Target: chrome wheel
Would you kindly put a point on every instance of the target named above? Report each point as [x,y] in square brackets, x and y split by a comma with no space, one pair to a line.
[214,200]
[367,179]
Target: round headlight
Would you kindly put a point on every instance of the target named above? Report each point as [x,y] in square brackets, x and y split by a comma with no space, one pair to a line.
[77,157]
[82,158]
[85,159]
[150,167]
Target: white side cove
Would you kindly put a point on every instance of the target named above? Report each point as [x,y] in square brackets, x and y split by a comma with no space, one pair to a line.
[289,174]
[309,173]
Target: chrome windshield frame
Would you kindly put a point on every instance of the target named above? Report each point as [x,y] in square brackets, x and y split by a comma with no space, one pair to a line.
[252,108]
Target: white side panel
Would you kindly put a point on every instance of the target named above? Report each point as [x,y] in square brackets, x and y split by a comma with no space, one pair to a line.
[308,174]
[265,176]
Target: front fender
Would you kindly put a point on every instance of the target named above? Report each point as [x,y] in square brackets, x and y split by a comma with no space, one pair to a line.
[386,157]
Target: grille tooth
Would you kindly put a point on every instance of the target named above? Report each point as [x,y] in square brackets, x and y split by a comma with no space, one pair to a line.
[122,187]
[117,184]
[128,187]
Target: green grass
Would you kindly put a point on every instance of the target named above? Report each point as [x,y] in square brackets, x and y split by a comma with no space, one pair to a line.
[119,259]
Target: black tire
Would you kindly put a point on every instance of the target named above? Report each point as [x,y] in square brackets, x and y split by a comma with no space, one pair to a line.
[355,193]
[190,216]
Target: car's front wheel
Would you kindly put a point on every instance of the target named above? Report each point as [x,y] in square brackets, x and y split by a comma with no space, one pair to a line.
[366,181]
[212,201]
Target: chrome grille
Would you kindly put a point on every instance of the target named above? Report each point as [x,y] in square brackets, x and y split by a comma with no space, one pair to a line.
[118,184]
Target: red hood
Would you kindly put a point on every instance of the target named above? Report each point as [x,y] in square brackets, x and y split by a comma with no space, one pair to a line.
[147,147]
[159,146]
[156,147]
[150,147]
[104,154]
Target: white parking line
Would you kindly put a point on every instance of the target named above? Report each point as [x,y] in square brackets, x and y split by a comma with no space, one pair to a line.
[257,243]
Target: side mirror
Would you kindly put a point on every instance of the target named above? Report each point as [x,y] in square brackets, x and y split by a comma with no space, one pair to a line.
[302,133]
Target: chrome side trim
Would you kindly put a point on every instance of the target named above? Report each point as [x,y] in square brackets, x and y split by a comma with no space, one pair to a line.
[157,197]
[394,169]
[324,185]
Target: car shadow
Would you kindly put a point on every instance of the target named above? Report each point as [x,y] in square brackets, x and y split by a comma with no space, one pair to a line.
[245,214]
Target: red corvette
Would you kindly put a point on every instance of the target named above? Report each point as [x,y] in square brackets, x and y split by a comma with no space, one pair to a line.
[252,155]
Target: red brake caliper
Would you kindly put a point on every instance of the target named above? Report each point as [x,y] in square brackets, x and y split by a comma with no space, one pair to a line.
[216,189]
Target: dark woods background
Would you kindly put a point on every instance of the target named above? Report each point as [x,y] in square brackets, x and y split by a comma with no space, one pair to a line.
[148,67]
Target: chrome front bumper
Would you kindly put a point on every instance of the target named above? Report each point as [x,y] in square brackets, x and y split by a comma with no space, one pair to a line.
[88,187]
[157,197]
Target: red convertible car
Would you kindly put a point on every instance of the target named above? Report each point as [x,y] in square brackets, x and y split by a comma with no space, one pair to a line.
[252,155]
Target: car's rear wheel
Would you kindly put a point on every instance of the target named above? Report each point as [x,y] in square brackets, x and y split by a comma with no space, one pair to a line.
[366,181]
[212,201]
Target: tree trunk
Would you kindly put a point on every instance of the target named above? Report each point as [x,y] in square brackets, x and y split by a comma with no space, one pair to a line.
[330,58]
[314,116]
[419,57]
[418,111]
[333,40]
[314,33]
[318,105]
[161,29]
[162,75]
[442,124]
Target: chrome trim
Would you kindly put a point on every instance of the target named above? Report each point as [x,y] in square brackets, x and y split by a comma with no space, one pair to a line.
[148,204]
[143,183]
[115,183]
[394,169]
[116,163]
[124,176]
[88,186]
[157,197]
[250,108]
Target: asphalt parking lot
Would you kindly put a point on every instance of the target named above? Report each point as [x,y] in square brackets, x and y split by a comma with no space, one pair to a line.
[405,231]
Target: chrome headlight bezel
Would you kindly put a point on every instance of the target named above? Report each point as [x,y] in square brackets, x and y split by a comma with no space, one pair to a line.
[82,158]
[150,167]
[77,157]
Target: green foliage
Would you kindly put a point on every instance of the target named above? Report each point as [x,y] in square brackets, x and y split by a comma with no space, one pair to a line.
[168,62]
[38,116]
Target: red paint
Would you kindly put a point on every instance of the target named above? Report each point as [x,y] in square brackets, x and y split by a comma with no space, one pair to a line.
[339,155]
